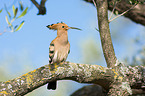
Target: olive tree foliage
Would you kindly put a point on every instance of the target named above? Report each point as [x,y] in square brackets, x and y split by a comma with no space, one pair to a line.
[11,18]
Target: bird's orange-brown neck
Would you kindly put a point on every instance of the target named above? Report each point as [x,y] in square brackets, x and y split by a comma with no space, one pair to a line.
[62,35]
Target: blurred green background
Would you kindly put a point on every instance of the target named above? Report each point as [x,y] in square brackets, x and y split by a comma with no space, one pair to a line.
[27,49]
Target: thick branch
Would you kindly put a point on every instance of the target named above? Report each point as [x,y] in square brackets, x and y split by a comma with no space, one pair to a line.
[135,76]
[41,7]
[91,90]
[108,50]
[96,90]
[137,14]
[83,73]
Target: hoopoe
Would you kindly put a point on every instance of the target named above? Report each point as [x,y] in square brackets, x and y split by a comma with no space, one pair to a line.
[59,48]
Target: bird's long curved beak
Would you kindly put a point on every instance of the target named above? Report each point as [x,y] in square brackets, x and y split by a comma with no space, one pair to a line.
[74,28]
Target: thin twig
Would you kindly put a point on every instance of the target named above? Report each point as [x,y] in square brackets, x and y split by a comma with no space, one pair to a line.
[5,30]
[97,29]
[96,8]
[113,10]
[94,3]
[123,12]
[35,3]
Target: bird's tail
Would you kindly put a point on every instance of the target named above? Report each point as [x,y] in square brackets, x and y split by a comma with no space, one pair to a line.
[52,85]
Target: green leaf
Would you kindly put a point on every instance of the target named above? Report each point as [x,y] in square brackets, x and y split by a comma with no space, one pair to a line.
[15,26]
[16,10]
[13,7]
[116,12]
[8,21]
[21,6]
[1,10]
[20,26]
[97,29]
[9,14]
[11,27]
[7,11]
[23,13]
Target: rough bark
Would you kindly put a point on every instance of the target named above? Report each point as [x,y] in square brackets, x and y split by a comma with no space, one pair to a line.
[91,90]
[136,15]
[107,46]
[96,90]
[83,73]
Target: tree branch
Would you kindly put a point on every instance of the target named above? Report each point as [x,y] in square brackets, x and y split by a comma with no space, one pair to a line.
[83,73]
[96,90]
[35,3]
[122,13]
[107,46]
[41,7]
[91,90]
[137,14]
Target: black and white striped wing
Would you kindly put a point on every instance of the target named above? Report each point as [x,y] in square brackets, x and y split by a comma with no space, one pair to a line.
[51,53]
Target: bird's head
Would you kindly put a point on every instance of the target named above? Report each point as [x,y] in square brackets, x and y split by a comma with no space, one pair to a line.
[60,26]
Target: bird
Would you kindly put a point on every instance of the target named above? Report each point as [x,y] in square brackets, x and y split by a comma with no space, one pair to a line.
[59,48]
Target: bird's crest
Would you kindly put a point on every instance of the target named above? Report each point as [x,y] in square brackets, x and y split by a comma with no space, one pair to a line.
[60,26]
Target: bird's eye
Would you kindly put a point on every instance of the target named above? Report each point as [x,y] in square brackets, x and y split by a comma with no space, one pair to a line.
[62,26]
